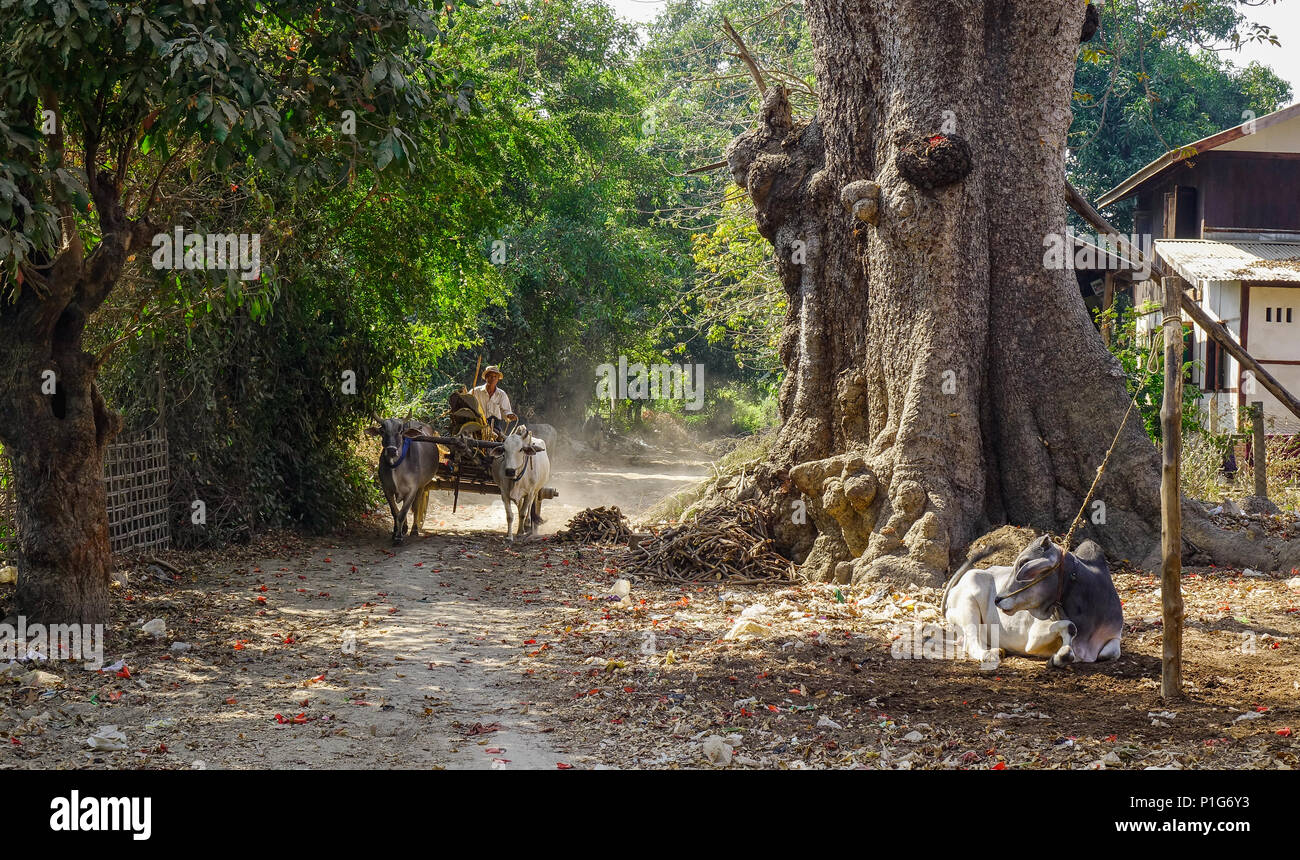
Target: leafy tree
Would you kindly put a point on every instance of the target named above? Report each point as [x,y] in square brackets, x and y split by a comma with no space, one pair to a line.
[941,380]
[586,262]
[1142,360]
[1157,76]
[736,297]
[103,103]
[262,408]
[702,95]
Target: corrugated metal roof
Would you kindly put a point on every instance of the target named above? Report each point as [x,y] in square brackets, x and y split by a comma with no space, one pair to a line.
[1205,260]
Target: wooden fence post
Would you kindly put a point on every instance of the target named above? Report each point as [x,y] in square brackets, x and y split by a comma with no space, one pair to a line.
[1259,451]
[1171,522]
[1107,302]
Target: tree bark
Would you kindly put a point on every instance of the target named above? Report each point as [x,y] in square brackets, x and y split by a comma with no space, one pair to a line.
[942,379]
[57,443]
[54,423]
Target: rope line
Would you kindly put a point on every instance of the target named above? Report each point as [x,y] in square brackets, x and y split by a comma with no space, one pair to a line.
[1101,470]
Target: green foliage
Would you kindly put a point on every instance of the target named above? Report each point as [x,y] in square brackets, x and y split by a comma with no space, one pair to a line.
[1151,80]
[702,97]
[1203,476]
[587,265]
[224,83]
[544,125]
[737,298]
[257,424]
[1143,363]
[237,117]
[736,408]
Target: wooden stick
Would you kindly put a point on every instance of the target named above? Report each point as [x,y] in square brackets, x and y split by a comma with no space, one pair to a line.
[451,441]
[745,55]
[474,384]
[153,559]
[1171,518]
[706,167]
[1216,332]
[1224,337]
[1259,454]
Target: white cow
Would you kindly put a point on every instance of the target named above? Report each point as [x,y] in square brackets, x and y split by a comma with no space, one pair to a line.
[1050,603]
[521,470]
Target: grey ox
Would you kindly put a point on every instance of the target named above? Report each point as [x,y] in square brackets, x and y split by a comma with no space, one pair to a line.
[404,468]
[1049,603]
[521,470]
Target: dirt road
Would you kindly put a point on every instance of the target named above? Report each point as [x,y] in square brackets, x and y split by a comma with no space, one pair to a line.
[341,653]
[633,486]
[460,650]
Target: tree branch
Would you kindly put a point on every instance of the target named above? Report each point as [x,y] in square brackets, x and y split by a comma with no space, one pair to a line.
[745,55]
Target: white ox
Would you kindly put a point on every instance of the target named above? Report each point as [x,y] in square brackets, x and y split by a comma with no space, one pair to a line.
[1049,603]
[521,471]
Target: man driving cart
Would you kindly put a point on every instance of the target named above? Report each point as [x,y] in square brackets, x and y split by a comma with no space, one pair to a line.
[493,401]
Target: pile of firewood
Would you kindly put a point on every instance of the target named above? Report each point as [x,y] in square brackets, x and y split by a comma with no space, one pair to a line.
[727,542]
[597,525]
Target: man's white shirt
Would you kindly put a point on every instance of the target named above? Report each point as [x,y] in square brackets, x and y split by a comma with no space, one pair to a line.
[494,405]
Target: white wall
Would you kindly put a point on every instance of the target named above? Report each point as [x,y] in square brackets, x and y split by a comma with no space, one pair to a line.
[1222,301]
[1277,418]
[1148,291]
[1275,341]
[1219,411]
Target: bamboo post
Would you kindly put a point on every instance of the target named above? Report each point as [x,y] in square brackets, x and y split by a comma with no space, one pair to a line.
[1259,453]
[1107,302]
[1171,525]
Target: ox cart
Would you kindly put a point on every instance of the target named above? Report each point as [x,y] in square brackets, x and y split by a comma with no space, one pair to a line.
[465,466]
[466,450]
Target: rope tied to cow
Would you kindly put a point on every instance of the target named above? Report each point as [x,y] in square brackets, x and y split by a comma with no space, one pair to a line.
[1101,470]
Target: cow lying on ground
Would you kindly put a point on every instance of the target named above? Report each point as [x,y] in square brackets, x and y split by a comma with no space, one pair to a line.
[1048,603]
[521,470]
[405,467]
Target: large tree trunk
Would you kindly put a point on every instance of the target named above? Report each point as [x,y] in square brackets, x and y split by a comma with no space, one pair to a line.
[57,442]
[941,380]
[54,423]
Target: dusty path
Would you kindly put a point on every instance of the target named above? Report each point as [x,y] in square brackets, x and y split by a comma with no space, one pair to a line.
[459,650]
[345,652]
[633,486]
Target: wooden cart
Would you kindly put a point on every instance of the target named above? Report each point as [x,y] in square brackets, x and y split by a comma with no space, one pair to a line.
[466,466]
